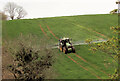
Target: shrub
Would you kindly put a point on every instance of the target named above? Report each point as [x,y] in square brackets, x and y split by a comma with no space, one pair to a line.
[31,61]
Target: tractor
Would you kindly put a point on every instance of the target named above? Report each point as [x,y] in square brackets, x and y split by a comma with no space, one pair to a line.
[66,46]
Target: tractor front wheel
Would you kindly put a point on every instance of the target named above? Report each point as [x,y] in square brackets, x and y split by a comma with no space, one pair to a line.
[65,50]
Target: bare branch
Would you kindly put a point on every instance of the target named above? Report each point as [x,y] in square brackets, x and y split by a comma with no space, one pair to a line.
[14,11]
[21,13]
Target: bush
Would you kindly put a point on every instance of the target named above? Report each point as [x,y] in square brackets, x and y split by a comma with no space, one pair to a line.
[31,61]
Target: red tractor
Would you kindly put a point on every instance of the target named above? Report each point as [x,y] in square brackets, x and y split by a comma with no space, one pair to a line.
[66,46]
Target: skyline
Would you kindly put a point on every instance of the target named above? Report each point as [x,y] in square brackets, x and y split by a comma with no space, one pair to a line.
[53,8]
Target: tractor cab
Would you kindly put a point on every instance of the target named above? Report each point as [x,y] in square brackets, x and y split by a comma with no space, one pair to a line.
[65,45]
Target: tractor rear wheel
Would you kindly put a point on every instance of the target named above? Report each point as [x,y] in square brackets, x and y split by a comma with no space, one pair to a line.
[73,49]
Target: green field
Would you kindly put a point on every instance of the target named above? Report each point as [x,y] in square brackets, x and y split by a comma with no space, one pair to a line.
[79,28]
[95,64]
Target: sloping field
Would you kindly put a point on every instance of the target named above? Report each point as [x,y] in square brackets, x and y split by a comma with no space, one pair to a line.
[83,64]
[93,68]
[75,27]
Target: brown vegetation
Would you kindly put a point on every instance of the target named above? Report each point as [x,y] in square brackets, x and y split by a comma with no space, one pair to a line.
[3,16]
[26,60]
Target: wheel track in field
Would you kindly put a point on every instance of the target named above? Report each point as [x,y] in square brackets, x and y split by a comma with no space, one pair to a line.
[44,32]
[88,29]
[77,56]
[84,67]
[52,32]
[90,64]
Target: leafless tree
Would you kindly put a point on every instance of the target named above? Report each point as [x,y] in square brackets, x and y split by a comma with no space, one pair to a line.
[21,12]
[10,9]
[14,11]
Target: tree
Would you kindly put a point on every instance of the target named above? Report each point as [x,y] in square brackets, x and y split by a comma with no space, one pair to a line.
[110,47]
[14,11]
[21,12]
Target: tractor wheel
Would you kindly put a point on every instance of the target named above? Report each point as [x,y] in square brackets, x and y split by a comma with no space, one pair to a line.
[73,49]
[64,50]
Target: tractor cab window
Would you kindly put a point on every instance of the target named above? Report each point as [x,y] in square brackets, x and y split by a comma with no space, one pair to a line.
[62,41]
[67,40]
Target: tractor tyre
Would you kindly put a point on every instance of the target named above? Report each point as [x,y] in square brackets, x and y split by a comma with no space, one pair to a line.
[62,49]
[73,49]
[65,50]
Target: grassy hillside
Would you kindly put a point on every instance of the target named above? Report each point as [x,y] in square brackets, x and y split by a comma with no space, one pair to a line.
[82,27]
[93,62]
[75,27]
[83,64]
